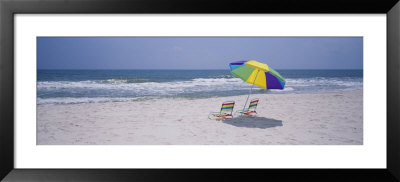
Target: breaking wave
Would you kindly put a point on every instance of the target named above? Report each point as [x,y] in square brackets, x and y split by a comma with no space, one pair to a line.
[119,90]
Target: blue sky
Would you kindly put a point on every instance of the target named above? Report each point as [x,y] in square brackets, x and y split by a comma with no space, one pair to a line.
[198,52]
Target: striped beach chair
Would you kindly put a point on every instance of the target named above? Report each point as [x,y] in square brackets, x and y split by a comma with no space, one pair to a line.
[251,111]
[225,112]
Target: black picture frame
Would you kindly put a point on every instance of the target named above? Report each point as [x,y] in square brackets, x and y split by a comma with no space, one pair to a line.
[8,8]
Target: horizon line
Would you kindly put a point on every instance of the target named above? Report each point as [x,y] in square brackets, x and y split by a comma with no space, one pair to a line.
[200,69]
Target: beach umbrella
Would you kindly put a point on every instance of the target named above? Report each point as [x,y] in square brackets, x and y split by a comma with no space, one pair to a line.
[257,73]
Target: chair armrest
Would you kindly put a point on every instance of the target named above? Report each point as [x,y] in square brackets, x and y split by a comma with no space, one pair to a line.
[239,111]
[213,113]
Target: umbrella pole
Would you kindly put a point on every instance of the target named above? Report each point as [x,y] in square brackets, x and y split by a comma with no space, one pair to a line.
[249,93]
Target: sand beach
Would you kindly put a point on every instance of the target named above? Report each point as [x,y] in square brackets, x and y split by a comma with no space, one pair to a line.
[334,118]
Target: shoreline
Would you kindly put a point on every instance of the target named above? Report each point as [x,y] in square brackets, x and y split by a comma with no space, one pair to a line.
[332,118]
[150,98]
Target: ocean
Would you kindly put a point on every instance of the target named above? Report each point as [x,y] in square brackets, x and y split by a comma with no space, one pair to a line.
[92,86]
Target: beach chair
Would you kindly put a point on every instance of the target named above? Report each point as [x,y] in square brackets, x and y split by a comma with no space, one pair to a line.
[225,112]
[251,111]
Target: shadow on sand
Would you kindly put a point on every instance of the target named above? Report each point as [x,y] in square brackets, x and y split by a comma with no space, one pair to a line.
[253,122]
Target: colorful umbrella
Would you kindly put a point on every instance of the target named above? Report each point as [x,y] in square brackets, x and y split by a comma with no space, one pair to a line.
[257,73]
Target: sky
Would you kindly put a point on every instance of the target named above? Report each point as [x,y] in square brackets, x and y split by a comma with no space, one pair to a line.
[198,52]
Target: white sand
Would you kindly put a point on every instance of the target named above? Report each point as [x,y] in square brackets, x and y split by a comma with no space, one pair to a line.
[329,118]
